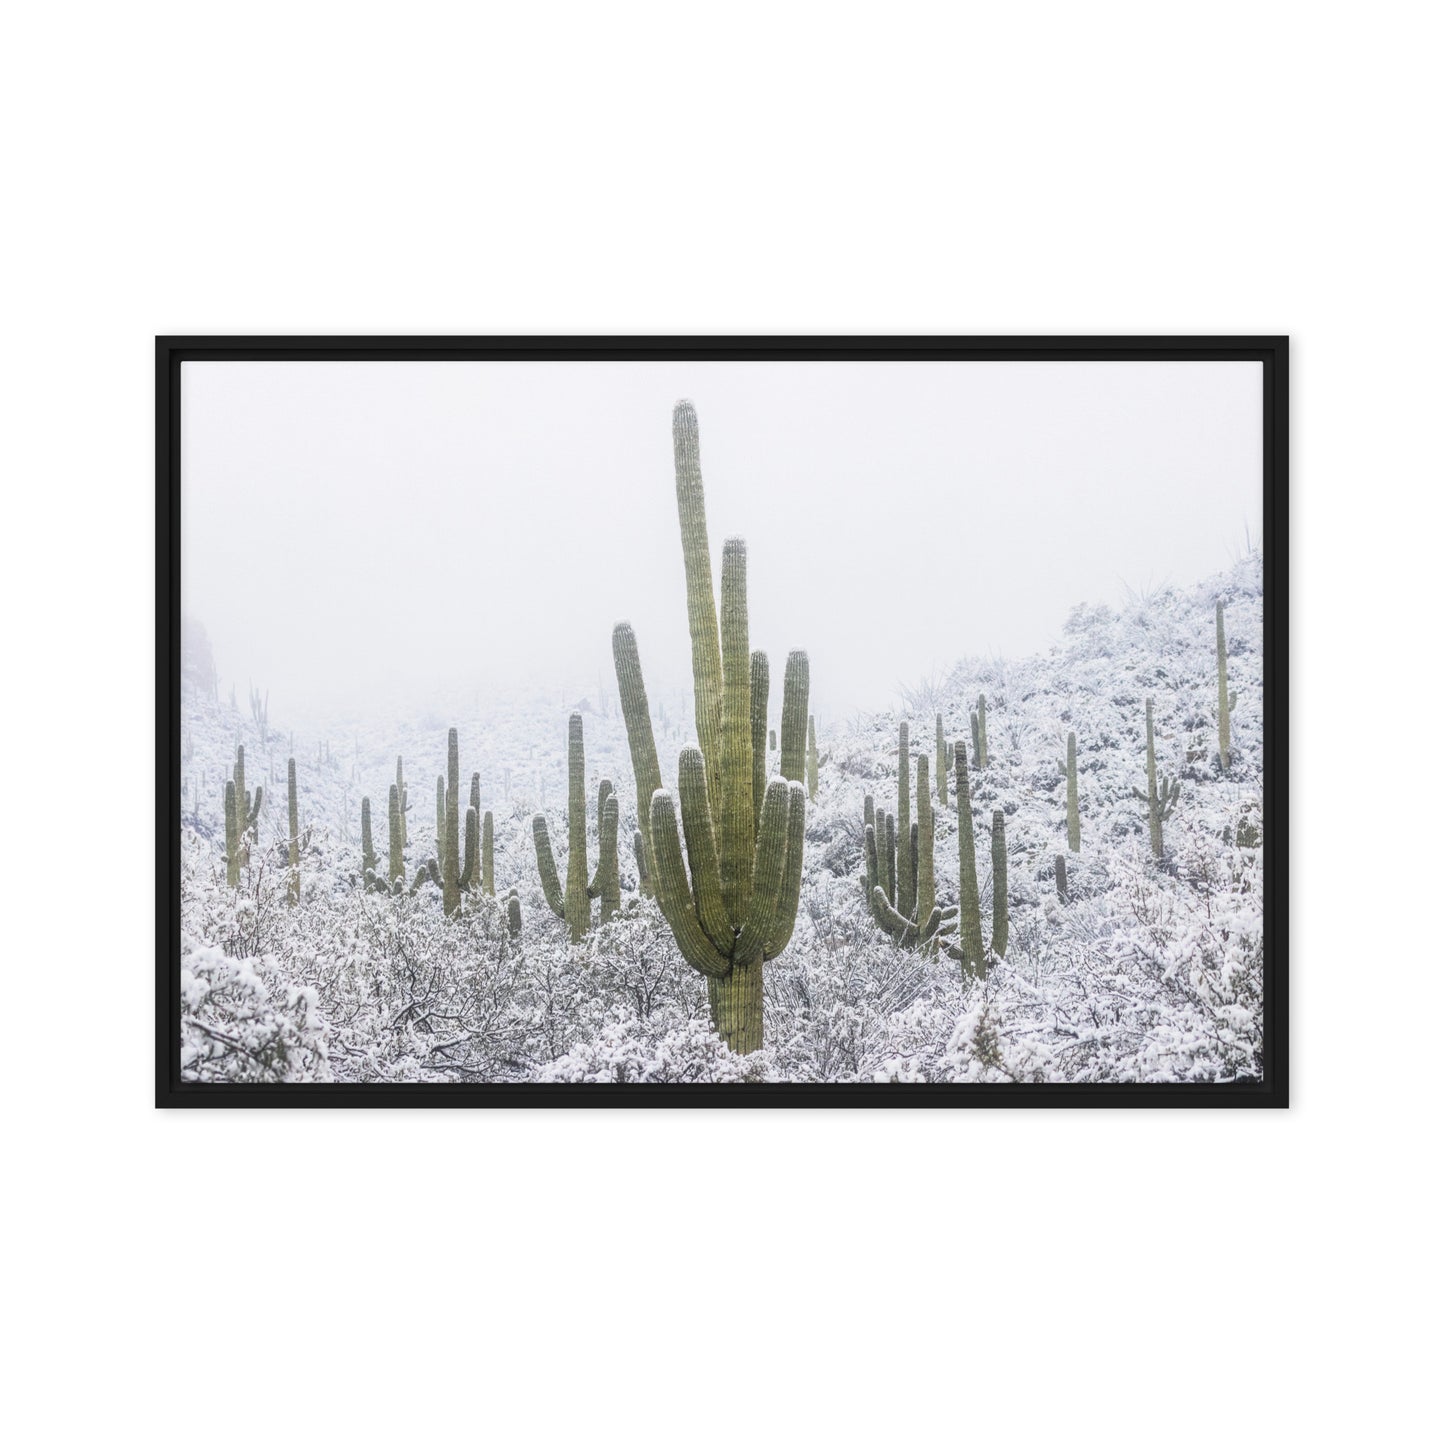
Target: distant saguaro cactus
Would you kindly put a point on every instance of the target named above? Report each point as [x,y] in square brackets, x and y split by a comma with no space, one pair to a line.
[923,922]
[1227,699]
[941,760]
[1000,886]
[1061,877]
[1160,799]
[574,905]
[514,914]
[248,808]
[368,852]
[969,949]
[395,833]
[293,852]
[456,867]
[733,905]
[1070,770]
[980,740]
[405,806]
[233,836]
[907,881]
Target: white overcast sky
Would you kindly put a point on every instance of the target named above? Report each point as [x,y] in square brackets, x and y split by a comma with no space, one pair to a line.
[354,529]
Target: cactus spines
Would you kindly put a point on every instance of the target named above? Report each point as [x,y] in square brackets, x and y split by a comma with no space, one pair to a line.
[1163,791]
[737,908]
[233,836]
[1000,886]
[1070,770]
[1061,877]
[1226,698]
[293,849]
[941,760]
[906,899]
[812,761]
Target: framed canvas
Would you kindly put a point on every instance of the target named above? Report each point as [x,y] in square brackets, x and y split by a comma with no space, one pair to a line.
[722,721]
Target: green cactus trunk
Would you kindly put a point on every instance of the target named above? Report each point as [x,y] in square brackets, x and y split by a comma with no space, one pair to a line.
[1159,801]
[396,862]
[1071,775]
[489,882]
[233,835]
[514,914]
[293,852]
[1226,702]
[970,925]
[925,889]
[906,900]
[1000,886]
[1061,877]
[812,765]
[940,761]
[758,692]
[368,853]
[401,796]
[982,731]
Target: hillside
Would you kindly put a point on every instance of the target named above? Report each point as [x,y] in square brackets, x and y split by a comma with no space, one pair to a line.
[1148,972]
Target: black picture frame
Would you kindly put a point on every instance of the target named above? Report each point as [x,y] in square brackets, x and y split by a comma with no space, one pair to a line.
[1271,1091]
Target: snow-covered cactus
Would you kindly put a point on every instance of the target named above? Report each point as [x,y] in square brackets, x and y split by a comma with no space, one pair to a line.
[574,903]
[758,684]
[1163,791]
[1070,771]
[923,863]
[734,903]
[973,725]
[293,851]
[456,866]
[401,794]
[514,914]
[639,856]
[489,882]
[1227,699]
[812,763]
[886,855]
[368,853]
[1061,877]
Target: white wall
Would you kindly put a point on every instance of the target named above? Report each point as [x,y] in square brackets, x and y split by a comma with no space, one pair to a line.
[1113,167]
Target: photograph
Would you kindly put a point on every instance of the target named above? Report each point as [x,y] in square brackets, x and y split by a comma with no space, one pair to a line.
[816,719]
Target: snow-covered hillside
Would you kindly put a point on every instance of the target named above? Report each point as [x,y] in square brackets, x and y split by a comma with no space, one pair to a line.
[1148,972]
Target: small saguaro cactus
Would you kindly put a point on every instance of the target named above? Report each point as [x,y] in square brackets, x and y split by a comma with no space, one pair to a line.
[514,914]
[979,718]
[970,950]
[368,852]
[575,904]
[1061,877]
[924,923]
[733,904]
[395,835]
[404,805]
[1070,770]
[458,865]
[1227,699]
[941,760]
[812,762]
[233,836]
[1163,791]
[293,881]
[248,808]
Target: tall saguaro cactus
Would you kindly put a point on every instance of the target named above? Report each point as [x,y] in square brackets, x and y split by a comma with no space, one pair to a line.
[1070,770]
[456,866]
[1227,699]
[732,906]
[248,808]
[293,852]
[233,836]
[395,835]
[1163,792]
[969,950]
[574,904]
[980,732]
[812,765]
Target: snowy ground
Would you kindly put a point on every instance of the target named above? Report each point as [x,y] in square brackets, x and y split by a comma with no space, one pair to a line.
[1148,973]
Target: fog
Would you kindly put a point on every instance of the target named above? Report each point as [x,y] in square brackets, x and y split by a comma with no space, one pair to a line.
[365,533]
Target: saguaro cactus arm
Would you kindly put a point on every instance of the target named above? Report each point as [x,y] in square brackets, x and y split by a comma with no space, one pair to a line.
[547,866]
[700,837]
[673,895]
[795,716]
[970,926]
[758,693]
[640,743]
[734,815]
